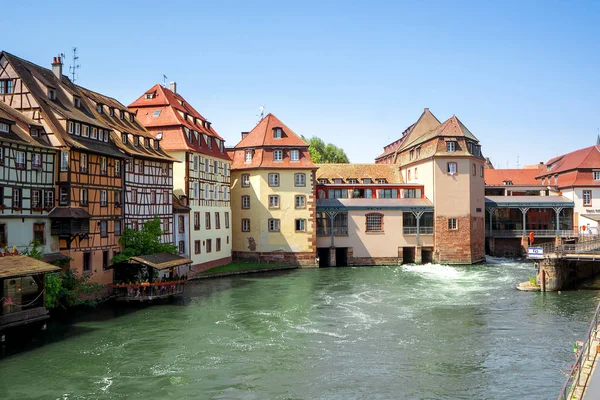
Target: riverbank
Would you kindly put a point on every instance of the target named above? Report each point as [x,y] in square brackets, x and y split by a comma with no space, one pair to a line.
[239,268]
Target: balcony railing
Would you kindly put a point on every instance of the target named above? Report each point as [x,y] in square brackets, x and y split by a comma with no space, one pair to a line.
[148,291]
[337,231]
[412,230]
[545,233]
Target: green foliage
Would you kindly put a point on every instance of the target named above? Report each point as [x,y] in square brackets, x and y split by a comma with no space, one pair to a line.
[533,281]
[322,153]
[53,290]
[143,242]
[67,289]
[34,250]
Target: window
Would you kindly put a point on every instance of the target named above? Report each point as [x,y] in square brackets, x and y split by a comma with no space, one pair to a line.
[299,179]
[147,143]
[196,221]
[216,167]
[117,168]
[103,166]
[99,108]
[122,114]
[273,180]
[105,259]
[452,224]
[248,156]
[207,220]
[587,197]
[206,191]
[225,193]
[408,175]
[452,170]
[5,127]
[6,86]
[226,169]
[20,161]
[278,155]
[64,160]
[300,201]
[131,117]
[300,225]
[245,180]
[100,135]
[196,163]
[86,131]
[218,244]
[418,152]
[226,219]
[273,201]
[118,227]
[273,225]
[87,262]
[118,198]
[246,201]
[367,181]
[156,114]
[49,199]
[1,156]
[83,163]
[149,95]
[208,245]
[383,180]
[103,198]
[596,175]
[94,134]
[276,133]
[474,170]
[152,196]
[245,225]
[451,146]
[63,196]
[83,197]
[133,196]
[135,227]
[374,222]
[77,102]
[181,247]
[17,198]
[217,220]
[38,233]
[103,229]
[416,173]
[77,129]
[411,154]
[197,246]
[136,141]
[51,94]
[165,226]
[216,192]
[124,138]
[35,199]
[387,193]
[481,171]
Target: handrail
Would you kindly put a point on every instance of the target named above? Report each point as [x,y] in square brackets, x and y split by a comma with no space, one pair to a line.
[575,371]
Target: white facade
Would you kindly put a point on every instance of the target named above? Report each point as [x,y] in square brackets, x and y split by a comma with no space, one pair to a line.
[585,205]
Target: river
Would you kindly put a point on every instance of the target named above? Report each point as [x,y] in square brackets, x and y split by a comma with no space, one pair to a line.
[401,332]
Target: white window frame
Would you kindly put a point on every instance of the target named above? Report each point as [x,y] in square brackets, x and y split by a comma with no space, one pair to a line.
[294,155]
[245,224]
[245,202]
[302,202]
[64,161]
[452,224]
[300,179]
[36,161]
[587,197]
[274,179]
[452,168]
[278,155]
[450,146]
[273,201]
[596,175]
[274,224]
[245,180]
[248,156]
[300,225]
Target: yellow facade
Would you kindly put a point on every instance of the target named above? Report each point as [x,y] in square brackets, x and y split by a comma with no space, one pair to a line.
[259,238]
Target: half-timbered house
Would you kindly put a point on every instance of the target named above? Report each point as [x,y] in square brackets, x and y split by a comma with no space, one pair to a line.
[148,175]
[87,219]
[27,175]
[202,176]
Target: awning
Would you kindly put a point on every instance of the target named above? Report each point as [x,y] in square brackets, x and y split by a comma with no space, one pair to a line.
[593,217]
[69,212]
[407,204]
[528,201]
[13,266]
[160,261]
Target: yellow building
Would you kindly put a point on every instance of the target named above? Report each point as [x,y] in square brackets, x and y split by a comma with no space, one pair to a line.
[273,196]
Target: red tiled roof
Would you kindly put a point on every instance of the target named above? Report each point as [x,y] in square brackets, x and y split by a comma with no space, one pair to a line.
[497,177]
[585,158]
[171,109]
[262,135]
[261,142]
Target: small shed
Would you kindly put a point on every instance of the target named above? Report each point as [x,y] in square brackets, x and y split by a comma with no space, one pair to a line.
[22,290]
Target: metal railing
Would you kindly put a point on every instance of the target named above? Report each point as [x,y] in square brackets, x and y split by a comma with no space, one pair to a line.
[584,355]
[412,230]
[543,233]
[585,247]
[337,231]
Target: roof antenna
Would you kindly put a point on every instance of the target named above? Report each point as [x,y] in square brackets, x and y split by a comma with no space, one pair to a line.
[598,138]
[262,112]
[165,80]
[518,166]
[73,68]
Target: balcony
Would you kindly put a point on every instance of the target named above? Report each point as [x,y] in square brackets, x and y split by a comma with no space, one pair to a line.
[544,233]
[423,230]
[337,231]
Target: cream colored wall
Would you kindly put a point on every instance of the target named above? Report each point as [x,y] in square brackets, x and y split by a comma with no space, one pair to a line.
[178,171]
[477,189]
[375,244]
[576,194]
[287,239]
[452,192]
[425,176]
[203,234]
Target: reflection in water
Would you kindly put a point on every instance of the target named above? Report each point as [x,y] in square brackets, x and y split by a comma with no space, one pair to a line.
[412,332]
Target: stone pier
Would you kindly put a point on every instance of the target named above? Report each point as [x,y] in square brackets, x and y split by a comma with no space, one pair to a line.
[332,257]
[555,274]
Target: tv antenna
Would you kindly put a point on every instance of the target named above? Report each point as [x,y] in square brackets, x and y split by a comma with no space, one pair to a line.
[262,112]
[165,80]
[518,166]
[73,68]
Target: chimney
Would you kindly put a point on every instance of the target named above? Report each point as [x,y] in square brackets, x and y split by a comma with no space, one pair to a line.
[57,67]
[173,87]
[244,134]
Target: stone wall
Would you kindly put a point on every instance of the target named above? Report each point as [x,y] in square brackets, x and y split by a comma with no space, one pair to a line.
[197,268]
[561,274]
[304,258]
[464,245]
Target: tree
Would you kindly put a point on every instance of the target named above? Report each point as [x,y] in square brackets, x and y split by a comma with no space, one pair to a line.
[321,153]
[143,242]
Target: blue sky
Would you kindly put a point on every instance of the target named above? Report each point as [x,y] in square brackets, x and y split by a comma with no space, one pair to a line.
[523,76]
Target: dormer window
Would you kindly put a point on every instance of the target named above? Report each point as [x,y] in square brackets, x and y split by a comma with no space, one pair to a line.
[294,155]
[185,116]
[383,181]
[367,180]
[77,102]
[411,155]
[122,114]
[248,156]
[353,181]
[94,133]
[52,94]
[323,181]
[451,146]
[508,183]
[278,155]
[149,96]
[124,138]
[277,133]
[147,143]
[156,145]
[418,152]
[99,108]
[112,111]
[136,142]
[33,131]
[338,181]
[131,117]
[5,127]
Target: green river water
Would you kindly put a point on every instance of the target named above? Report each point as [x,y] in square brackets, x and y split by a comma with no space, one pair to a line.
[401,332]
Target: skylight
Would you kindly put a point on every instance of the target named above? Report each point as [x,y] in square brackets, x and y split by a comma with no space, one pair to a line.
[156,113]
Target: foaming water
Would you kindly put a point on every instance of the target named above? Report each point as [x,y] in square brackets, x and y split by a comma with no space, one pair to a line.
[411,332]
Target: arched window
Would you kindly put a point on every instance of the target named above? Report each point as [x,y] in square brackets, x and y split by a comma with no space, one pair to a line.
[374,222]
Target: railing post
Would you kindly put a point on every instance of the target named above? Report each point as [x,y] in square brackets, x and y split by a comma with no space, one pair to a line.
[490,211]
[557,211]
[332,215]
[524,212]
[417,215]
